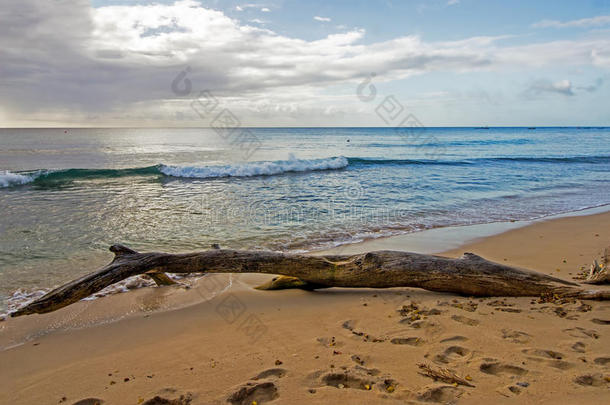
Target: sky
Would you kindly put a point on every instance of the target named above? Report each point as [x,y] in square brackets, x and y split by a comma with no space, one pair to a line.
[126,63]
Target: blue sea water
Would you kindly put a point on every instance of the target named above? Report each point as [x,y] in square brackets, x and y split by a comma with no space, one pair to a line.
[66,195]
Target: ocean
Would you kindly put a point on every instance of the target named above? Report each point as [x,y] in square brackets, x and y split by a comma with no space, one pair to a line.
[66,195]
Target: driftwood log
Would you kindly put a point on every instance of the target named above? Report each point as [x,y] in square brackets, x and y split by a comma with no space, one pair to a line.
[470,275]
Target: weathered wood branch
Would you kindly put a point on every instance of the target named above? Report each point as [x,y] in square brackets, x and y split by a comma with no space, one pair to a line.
[160,278]
[599,274]
[469,275]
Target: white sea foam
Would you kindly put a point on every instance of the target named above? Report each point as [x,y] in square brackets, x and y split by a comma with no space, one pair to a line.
[21,297]
[255,168]
[8,179]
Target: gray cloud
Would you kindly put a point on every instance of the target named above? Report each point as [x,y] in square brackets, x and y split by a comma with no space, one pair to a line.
[563,87]
[64,58]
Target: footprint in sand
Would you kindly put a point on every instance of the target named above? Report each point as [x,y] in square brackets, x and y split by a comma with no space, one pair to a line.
[591,380]
[419,324]
[89,401]
[451,353]
[499,369]
[358,359]
[582,332]
[549,357]
[549,354]
[444,394]
[367,371]
[411,341]
[271,373]
[254,393]
[183,400]
[426,326]
[465,320]
[516,336]
[602,361]
[349,325]
[360,378]
[345,380]
[579,347]
[600,321]
[454,339]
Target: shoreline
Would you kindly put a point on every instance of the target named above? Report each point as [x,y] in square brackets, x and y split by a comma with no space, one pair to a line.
[445,238]
[172,352]
[428,241]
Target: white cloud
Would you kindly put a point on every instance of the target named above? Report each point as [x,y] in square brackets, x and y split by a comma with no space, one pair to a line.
[600,58]
[118,59]
[262,8]
[323,19]
[453,2]
[582,23]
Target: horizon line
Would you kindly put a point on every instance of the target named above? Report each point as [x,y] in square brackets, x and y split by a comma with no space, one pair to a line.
[321,127]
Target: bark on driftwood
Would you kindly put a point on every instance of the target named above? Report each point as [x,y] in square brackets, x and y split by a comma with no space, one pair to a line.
[469,275]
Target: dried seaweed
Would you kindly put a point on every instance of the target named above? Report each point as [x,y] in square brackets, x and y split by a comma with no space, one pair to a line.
[443,374]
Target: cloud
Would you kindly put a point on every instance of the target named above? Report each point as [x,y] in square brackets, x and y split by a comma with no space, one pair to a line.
[582,23]
[453,2]
[322,19]
[563,87]
[118,61]
[600,58]
[262,8]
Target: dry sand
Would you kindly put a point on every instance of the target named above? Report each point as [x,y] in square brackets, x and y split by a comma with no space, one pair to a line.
[329,347]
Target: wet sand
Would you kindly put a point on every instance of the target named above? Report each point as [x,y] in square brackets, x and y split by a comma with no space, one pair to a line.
[332,346]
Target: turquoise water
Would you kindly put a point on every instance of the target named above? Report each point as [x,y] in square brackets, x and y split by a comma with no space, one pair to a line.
[65,196]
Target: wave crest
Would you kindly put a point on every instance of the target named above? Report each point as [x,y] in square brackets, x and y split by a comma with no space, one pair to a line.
[9,179]
[55,178]
[266,168]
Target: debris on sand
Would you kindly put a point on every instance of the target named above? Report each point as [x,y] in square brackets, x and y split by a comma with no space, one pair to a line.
[443,374]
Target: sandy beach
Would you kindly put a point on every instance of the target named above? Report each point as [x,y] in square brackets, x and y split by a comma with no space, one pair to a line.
[304,202]
[245,346]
